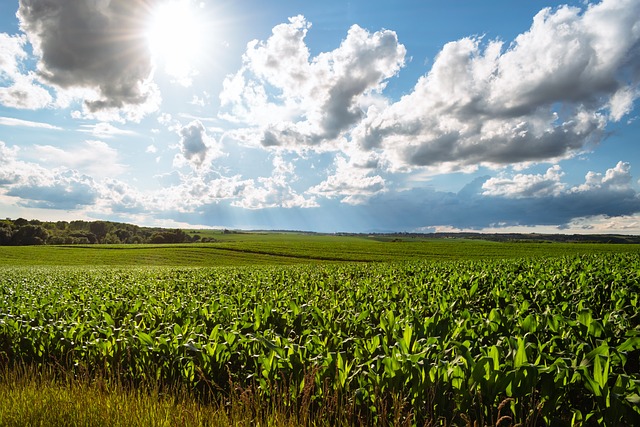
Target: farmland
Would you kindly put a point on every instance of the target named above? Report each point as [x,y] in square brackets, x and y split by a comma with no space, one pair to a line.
[342,330]
[291,248]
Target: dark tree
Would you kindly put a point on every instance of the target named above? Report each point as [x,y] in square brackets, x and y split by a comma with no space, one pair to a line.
[30,235]
[20,222]
[6,233]
[123,235]
[99,229]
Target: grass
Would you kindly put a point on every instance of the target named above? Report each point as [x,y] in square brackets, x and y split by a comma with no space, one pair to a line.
[290,248]
[31,396]
[36,397]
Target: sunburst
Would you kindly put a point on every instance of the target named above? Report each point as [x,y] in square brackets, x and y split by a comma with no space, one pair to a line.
[176,35]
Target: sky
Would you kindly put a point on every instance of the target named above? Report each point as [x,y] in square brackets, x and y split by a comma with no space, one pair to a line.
[334,116]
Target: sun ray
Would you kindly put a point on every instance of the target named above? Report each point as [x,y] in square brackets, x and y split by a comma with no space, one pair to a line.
[176,35]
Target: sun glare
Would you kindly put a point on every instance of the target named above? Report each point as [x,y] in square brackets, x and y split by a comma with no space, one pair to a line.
[176,36]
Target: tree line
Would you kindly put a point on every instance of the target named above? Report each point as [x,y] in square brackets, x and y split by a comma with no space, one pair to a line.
[20,232]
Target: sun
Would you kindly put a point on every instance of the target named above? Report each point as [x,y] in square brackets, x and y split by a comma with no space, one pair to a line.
[176,35]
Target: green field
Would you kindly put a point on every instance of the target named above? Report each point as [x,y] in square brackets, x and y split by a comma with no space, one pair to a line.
[291,248]
[430,332]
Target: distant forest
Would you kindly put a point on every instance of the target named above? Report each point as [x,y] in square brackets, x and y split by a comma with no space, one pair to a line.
[20,232]
[517,237]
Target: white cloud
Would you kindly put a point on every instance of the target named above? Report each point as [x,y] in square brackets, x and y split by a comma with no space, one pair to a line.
[38,187]
[9,166]
[201,101]
[316,100]
[617,178]
[127,112]
[64,190]
[536,200]
[274,191]
[60,187]
[543,98]
[167,120]
[95,158]
[151,149]
[351,182]
[10,121]
[22,92]
[523,185]
[621,102]
[117,197]
[547,96]
[606,201]
[11,54]
[104,130]
[197,148]
[25,94]
[197,190]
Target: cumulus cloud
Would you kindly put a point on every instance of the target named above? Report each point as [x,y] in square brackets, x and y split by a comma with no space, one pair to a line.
[274,191]
[25,94]
[39,187]
[95,45]
[9,166]
[526,201]
[523,185]
[197,148]
[117,197]
[64,188]
[11,54]
[597,209]
[67,190]
[605,224]
[615,180]
[317,99]
[546,96]
[351,182]
[194,191]
[21,91]
[618,178]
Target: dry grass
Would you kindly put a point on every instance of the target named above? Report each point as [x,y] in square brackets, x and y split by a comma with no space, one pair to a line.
[32,396]
[44,397]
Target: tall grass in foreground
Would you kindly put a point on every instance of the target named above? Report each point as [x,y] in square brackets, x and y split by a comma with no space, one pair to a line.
[36,396]
[31,396]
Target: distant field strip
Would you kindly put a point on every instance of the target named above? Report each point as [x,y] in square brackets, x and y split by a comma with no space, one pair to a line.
[157,255]
[277,249]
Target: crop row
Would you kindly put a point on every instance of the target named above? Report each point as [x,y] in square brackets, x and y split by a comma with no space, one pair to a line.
[559,338]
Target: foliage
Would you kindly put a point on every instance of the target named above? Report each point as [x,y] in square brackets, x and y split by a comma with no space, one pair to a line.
[556,340]
[21,232]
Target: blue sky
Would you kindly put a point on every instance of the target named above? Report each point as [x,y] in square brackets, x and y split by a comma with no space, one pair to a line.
[324,116]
